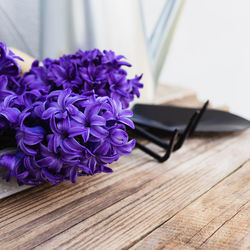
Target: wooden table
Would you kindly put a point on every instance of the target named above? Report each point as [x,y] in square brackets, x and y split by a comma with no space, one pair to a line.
[199,198]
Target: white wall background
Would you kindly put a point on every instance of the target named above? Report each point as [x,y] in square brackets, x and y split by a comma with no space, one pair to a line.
[210,52]
[20,25]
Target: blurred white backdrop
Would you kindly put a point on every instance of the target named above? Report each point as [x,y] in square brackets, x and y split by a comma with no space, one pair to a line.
[210,52]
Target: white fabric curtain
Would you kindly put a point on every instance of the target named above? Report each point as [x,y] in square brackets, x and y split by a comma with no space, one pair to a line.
[20,25]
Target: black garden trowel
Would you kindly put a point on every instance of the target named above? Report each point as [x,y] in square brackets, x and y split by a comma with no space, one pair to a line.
[180,123]
[168,118]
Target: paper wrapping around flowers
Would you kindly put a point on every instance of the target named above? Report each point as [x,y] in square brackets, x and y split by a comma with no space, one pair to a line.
[28,60]
[9,188]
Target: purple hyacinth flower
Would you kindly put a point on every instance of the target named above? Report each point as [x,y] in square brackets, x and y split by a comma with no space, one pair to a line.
[118,84]
[12,162]
[135,85]
[8,64]
[65,73]
[60,104]
[4,91]
[95,166]
[83,58]
[27,137]
[36,79]
[69,116]
[8,114]
[111,59]
[120,114]
[93,74]
[94,123]
[84,123]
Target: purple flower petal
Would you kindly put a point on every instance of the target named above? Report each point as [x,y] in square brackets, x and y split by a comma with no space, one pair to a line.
[98,132]
[75,131]
[97,120]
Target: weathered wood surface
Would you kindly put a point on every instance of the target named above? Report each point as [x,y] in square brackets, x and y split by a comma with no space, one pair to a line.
[197,199]
[216,220]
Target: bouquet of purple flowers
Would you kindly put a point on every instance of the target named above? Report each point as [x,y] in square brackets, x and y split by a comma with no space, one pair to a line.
[64,118]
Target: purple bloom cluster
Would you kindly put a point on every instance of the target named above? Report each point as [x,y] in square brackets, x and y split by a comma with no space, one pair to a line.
[68,116]
[8,65]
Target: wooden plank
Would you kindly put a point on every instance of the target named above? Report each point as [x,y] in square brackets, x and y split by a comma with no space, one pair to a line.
[176,95]
[38,203]
[220,219]
[180,96]
[234,234]
[159,192]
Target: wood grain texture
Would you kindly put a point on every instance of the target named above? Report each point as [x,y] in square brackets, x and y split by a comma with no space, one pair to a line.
[125,208]
[176,95]
[220,219]
[167,192]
